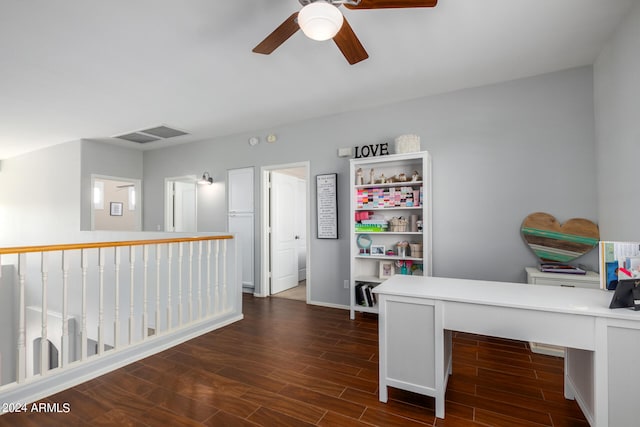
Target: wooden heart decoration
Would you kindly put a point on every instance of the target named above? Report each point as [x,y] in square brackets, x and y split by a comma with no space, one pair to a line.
[552,242]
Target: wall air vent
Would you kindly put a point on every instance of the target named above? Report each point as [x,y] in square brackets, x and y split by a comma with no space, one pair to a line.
[152,134]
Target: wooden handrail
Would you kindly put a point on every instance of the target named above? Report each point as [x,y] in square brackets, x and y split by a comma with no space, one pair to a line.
[76,246]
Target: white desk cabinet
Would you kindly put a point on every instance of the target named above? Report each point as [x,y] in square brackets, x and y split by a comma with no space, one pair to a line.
[537,277]
[417,314]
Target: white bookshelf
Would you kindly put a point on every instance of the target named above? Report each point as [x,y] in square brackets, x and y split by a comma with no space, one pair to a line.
[382,202]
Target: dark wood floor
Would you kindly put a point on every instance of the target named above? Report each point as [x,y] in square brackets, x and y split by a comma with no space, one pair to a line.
[289,364]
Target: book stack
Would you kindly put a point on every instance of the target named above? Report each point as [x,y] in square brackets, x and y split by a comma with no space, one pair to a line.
[555,267]
[364,295]
[362,198]
[372,225]
[390,197]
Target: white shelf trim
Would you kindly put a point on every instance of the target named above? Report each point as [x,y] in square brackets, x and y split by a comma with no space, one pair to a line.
[390,184]
[389,257]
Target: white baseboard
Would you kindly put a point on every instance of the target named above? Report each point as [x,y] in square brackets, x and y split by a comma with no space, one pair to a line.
[329,305]
[549,350]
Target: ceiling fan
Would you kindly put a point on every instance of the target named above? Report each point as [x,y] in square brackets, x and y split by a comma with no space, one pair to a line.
[322,20]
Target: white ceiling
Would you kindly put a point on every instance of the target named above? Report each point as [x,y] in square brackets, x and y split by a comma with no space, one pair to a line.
[72,69]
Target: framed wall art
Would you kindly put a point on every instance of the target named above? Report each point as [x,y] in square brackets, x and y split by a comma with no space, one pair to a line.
[115,209]
[327,205]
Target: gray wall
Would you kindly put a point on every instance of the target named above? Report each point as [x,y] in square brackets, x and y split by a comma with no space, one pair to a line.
[109,160]
[39,201]
[617,101]
[499,152]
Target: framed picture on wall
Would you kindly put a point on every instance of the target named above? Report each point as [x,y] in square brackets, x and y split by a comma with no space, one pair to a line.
[327,205]
[116,209]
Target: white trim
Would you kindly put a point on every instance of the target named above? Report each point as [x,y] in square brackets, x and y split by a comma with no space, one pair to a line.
[329,305]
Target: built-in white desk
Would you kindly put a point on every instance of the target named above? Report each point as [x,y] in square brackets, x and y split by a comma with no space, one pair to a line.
[417,315]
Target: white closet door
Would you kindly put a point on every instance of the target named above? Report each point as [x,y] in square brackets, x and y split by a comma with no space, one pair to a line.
[240,182]
[242,224]
[241,220]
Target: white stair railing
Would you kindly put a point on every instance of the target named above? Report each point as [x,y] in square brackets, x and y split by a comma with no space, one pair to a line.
[83,288]
[64,360]
[44,341]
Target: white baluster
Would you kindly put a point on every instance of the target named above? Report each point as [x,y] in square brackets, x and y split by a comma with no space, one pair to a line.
[208,277]
[199,279]
[84,263]
[65,310]
[216,288]
[132,263]
[158,255]
[22,332]
[190,293]
[145,266]
[100,301]
[224,275]
[169,259]
[44,340]
[116,322]
[180,255]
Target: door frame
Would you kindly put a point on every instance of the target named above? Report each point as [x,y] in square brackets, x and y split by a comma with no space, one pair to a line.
[265,247]
[168,208]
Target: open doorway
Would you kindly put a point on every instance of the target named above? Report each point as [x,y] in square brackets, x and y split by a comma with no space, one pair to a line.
[181,204]
[115,203]
[285,230]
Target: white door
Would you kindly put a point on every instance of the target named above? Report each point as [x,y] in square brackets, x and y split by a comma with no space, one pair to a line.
[181,205]
[284,240]
[240,190]
[240,218]
[185,207]
[242,224]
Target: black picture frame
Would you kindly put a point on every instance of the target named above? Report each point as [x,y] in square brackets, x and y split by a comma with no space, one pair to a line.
[627,294]
[327,205]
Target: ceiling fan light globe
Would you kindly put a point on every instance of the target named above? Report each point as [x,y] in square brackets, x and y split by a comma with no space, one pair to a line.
[320,20]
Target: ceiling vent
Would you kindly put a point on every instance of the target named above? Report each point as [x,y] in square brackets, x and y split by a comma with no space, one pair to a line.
[152,134]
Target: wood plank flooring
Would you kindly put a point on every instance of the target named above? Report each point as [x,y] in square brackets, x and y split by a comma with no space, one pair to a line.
[290,364]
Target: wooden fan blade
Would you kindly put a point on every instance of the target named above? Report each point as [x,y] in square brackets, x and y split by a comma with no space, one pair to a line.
[392,4]
[349,44]
[278,36]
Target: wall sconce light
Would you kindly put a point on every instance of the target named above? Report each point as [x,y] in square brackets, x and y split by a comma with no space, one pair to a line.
[206,179]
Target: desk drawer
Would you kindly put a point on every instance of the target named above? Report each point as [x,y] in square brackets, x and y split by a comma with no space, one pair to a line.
[565,282]
[566,330]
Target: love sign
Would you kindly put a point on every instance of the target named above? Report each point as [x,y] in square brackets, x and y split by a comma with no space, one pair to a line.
[552,242]
[372,150]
